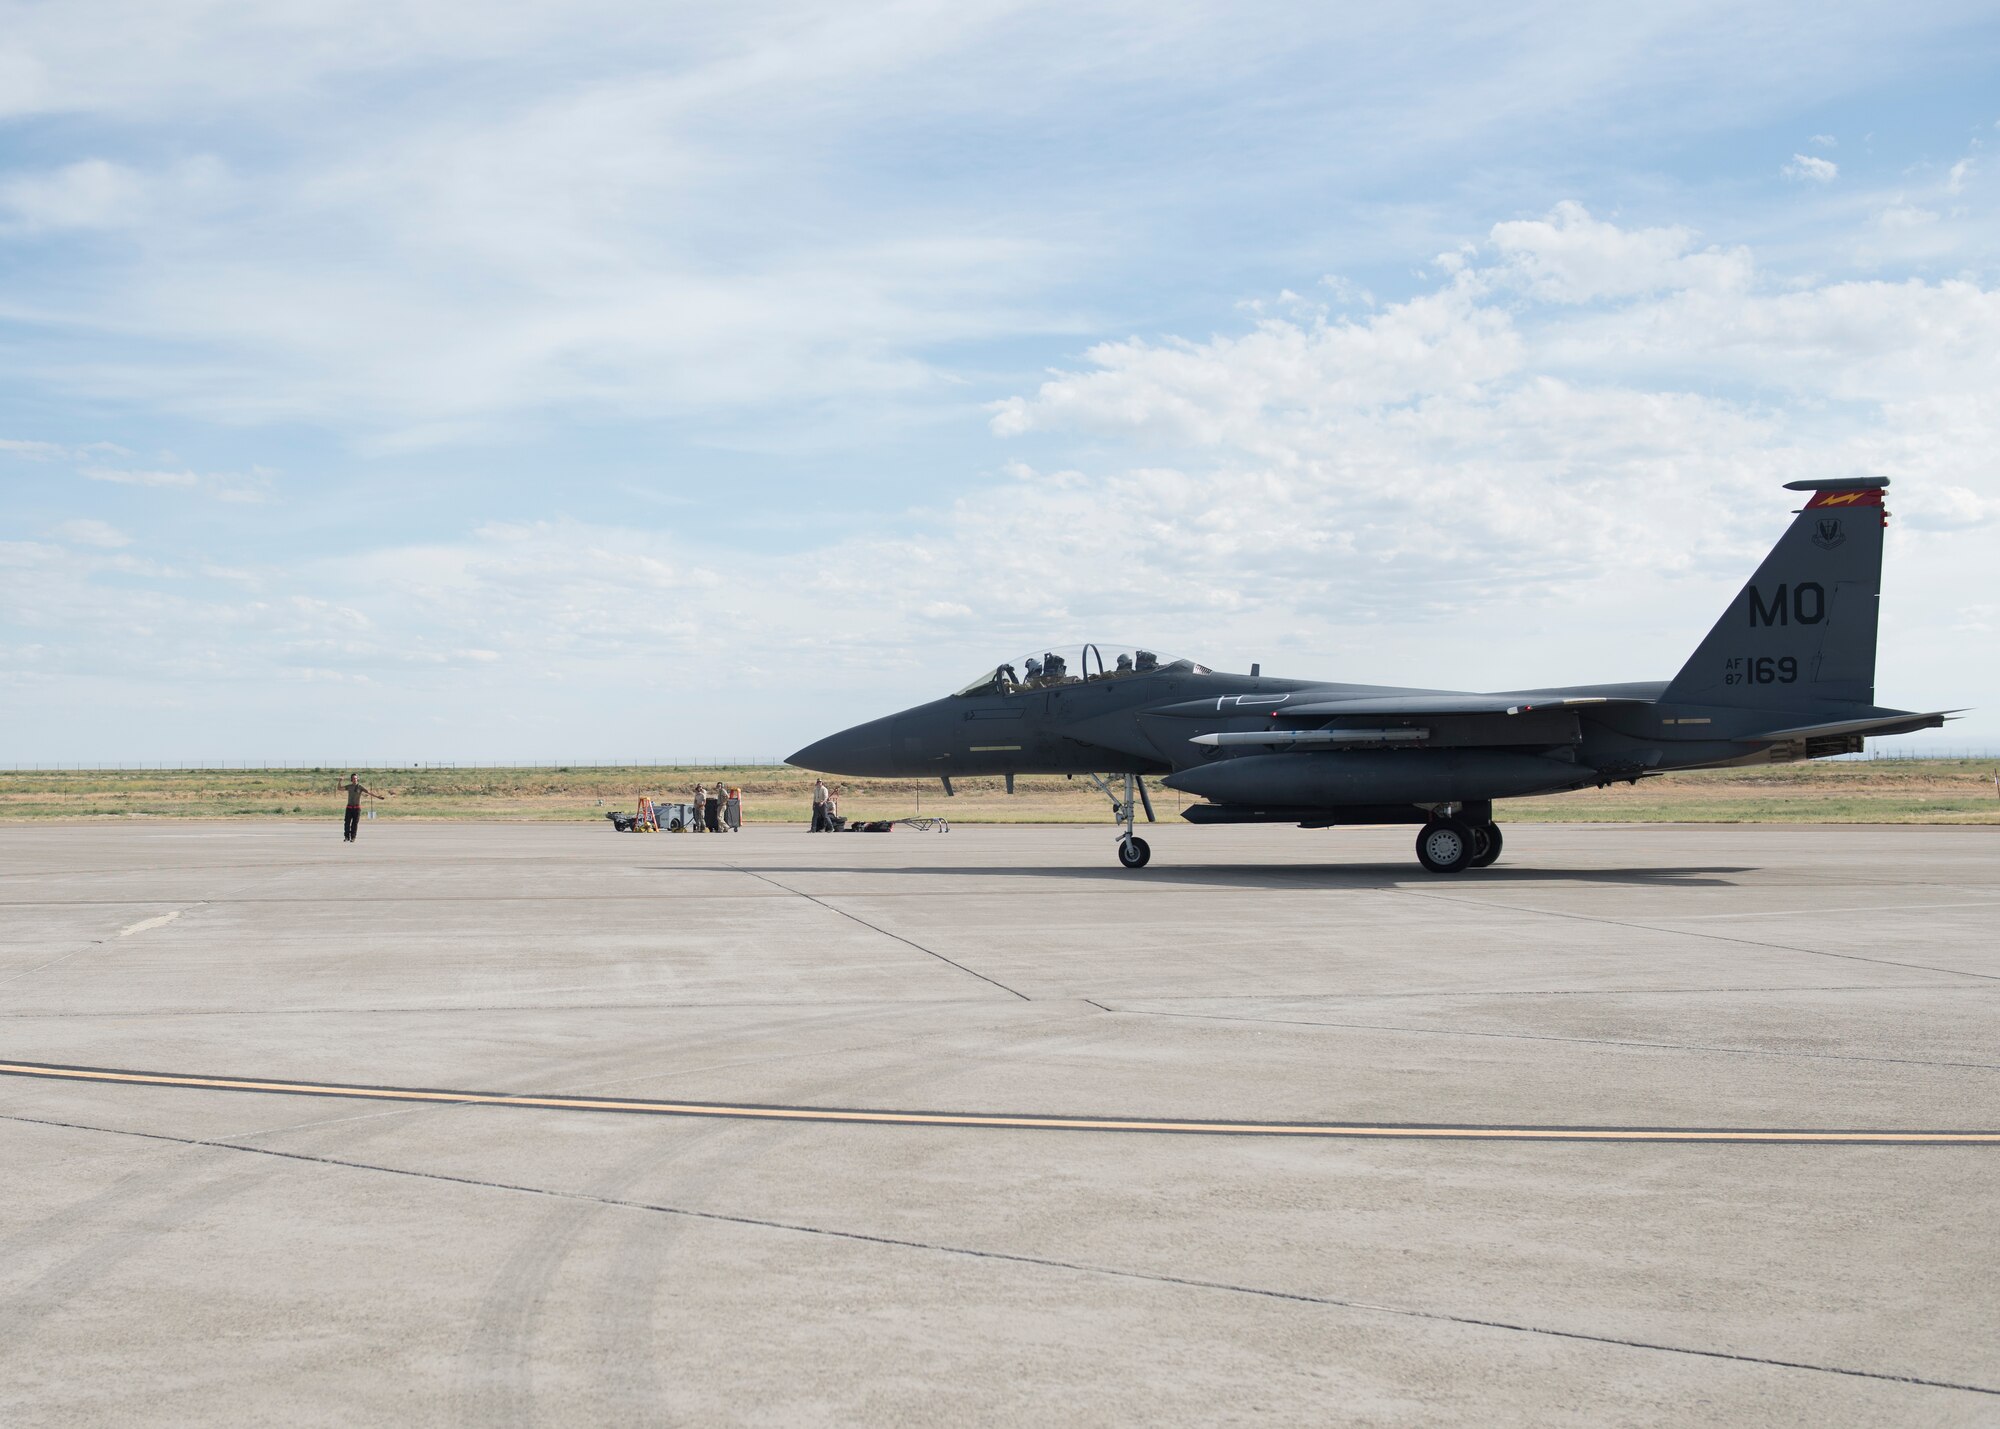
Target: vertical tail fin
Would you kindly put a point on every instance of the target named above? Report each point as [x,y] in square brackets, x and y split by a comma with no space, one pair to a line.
[1802,632]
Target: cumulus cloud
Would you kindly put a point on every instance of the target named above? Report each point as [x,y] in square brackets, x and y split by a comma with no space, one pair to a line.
[455,217]
[1570,257]
[1556,459]
[1811,168]
[1374,497]
[1629,425]
[1298,371]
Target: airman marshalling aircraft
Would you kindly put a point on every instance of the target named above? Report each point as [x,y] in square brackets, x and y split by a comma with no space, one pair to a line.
[1788,673]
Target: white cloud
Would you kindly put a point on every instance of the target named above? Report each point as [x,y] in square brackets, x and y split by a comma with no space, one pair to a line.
[1487,483]
[1295,371]
[1571,257]
[1811,168]
[222,486]
[1901,217]
[1825,141]
[1934,507]
[31,450]
[124,476]
[131,58]
[54,451]
[92,193]
[100,194]
[87,532]
[452,217]
[1955,181]
[1614,448]
[447,224]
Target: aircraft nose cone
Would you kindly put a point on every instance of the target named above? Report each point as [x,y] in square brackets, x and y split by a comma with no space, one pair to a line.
[866,749]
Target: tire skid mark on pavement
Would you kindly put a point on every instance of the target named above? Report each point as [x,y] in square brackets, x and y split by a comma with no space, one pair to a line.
[1154,1277]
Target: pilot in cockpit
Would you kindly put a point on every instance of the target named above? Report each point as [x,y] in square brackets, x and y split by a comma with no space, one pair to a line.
[1054,667]
[1034,669]
[1124,665]
[1147,661]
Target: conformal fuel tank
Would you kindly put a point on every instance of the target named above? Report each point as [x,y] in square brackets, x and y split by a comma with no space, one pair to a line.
[1378,776]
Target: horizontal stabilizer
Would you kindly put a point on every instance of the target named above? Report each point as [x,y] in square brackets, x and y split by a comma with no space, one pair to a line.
[1882,724]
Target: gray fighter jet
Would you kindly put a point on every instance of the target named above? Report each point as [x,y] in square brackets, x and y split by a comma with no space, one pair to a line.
[1788,673]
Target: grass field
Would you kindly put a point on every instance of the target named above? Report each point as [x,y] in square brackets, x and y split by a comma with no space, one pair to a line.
[1931,791]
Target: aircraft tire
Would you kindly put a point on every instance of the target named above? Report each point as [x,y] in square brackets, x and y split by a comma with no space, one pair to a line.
[1134,852]
[1445,846]
[1487,837]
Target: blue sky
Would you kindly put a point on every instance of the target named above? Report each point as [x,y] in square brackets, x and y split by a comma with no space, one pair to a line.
[594,381]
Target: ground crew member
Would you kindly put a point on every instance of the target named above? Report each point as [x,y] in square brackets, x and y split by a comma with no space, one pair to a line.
[819,824]
[351,825]
[700,803]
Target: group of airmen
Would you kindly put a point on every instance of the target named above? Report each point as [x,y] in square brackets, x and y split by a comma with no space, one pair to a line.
[718,810]
[710,811]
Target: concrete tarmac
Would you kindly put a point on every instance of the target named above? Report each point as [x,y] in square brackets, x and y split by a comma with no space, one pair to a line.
[315,1252]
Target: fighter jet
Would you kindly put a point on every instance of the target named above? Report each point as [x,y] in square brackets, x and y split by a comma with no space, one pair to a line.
[1788,673]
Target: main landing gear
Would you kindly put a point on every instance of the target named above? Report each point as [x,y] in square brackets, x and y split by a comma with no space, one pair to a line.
[1452,843]
[1133,851]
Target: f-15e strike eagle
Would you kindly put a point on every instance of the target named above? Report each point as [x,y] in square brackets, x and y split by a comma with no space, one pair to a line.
[1788,673]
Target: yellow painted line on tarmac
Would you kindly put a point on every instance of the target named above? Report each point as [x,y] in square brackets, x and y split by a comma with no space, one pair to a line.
[1382,1131]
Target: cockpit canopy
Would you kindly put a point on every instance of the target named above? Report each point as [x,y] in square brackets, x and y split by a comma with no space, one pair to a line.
[1076,665]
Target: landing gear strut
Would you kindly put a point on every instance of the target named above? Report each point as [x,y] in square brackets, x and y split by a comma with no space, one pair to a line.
[1133,851]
